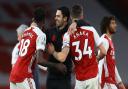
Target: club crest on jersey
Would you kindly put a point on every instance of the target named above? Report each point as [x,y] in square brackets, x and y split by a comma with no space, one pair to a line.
[112,53]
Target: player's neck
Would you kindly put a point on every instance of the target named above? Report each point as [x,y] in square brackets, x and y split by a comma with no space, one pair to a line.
[109,35]
[37,25]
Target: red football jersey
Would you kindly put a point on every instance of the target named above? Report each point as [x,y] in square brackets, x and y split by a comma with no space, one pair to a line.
[108,73]
[33,39]
[82,46]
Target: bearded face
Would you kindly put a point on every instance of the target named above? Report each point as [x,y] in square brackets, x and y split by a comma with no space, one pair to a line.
[112,26]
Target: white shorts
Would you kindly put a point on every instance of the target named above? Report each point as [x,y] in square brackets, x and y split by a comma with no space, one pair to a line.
[87,84]
[28,83]
[109,86]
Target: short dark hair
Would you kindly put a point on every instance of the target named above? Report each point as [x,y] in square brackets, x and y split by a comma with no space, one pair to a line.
[76,11]
[105,23]
[39,15]
[65,12]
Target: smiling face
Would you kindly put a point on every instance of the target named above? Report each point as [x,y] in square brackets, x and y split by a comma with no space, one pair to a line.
[59,19]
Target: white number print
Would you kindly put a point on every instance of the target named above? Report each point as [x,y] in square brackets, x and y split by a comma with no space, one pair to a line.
[24,47]
[87,49]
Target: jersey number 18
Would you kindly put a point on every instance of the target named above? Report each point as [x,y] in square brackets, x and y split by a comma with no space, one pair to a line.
[24,47]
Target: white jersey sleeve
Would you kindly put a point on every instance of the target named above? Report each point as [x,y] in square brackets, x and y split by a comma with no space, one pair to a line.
[41,42]
[41,39]
[15,54]
[96,35]
[104,42]
[117,76]
[66,40]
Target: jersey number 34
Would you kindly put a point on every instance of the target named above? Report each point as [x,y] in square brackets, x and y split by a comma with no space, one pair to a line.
[86,50]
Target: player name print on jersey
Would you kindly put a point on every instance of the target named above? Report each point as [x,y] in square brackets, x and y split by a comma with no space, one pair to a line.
[79,34]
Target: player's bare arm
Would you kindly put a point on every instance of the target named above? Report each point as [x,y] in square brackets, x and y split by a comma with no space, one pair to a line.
[43,62]
[102,52]
[120,85]
[60,56]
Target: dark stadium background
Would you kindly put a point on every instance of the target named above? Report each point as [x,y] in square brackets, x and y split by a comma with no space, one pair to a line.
[16,12]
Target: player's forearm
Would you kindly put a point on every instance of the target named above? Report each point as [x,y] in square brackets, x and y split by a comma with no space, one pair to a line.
[100,56]
[42,61]
[120,85]
[102,53]
[59,56]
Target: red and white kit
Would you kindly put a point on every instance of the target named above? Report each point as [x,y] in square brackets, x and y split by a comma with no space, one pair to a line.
[82,46]
[33,39]
[108,72]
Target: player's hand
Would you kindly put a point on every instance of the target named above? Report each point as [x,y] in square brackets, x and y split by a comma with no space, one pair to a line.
[96,52]
[72,28]
[51,48]
[61,68]
[121,86]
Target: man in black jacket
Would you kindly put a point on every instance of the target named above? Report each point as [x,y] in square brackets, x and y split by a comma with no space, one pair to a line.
[59,78]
